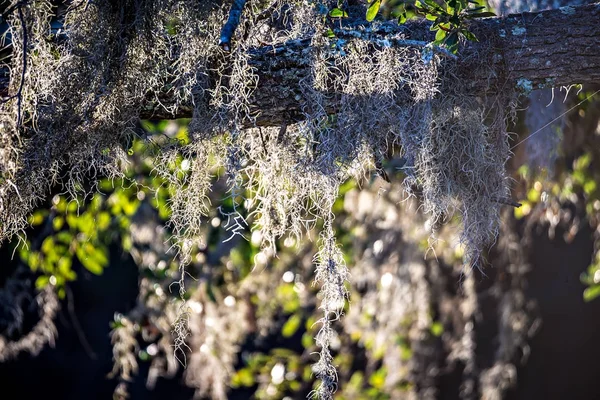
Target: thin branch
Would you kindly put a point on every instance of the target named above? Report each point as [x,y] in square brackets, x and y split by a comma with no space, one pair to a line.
[380,170]
[232,23]
[78,329]
[501,63]
[427,47]
[19,95]
[281,134]
[507,202]
[12,8]
[24,69]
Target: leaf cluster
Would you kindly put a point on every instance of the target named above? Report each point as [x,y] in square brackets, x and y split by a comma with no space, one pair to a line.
[450,18]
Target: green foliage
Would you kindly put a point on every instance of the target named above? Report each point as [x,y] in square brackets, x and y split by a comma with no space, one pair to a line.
[583,180]
[77,233]
[591,278]
[548,194]
[338,13]
[72,234]
[580,182]
[449,18]
[82,229]
[373,10]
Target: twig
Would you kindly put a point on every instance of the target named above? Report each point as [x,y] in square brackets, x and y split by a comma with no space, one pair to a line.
[381,171]
[20,92]
[232,23]
[80,333]
[389,42]
[508,202]
[262,139]
[281,134]
[12,8]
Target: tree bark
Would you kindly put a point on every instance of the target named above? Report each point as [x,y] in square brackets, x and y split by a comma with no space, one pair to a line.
[524,51]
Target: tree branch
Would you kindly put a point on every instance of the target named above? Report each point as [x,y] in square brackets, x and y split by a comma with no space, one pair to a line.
[525,51]
[232,23]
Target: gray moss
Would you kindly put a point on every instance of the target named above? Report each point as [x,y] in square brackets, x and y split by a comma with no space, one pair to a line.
[82,96]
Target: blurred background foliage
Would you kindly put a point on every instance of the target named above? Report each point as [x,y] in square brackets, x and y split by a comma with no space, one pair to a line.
[415,326]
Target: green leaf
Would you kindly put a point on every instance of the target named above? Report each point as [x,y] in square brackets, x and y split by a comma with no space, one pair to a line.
[338,13]
[93,259]
[482,15]
[373,10]
[452,42]
[399,9]
[126,242]
[377,379]
[130,207]
[48,245]
[37,218]
[475,10]
[591,293]
[402,18]
[58,222]
[307,340]
[291,326]
[587,277]
[143,355]
[356,381]
[91,265]
[243,377]
[103,220]
[41,282]
[99,254]
[72,220]
[437,329]
[469,35]
[432,4]
[589,187]
[72,206]
[583,162]
[34,261]
[64,266]
[579,177]
[440,35]
[64,237]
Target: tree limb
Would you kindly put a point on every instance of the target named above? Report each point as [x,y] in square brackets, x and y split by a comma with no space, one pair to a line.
[525,51]
[232,23]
